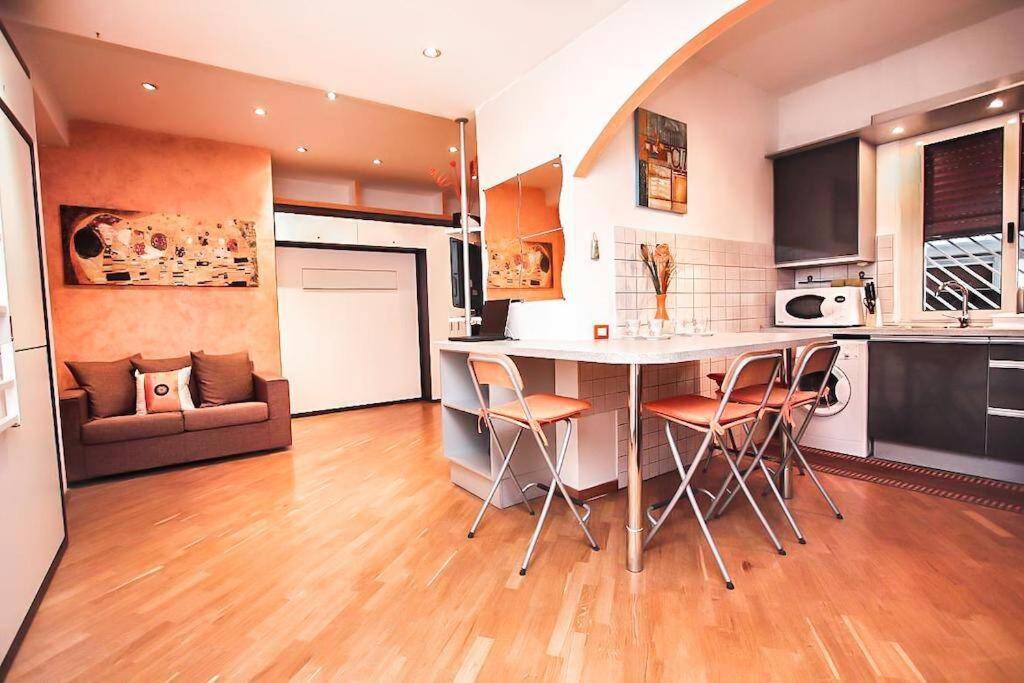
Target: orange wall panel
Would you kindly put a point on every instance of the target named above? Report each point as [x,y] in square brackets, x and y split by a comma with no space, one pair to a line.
[123,168]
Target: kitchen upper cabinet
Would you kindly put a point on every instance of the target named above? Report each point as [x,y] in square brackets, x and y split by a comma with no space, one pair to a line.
[21,239]
[825,204]
[930,394]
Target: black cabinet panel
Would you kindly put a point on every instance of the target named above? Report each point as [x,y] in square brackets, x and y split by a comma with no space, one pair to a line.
[1003,351]
[1006,438]
[1006,388]
[929,394]
[817,202]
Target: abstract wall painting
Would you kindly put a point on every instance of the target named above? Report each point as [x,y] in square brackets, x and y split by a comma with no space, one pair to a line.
[661,161]
[119,247]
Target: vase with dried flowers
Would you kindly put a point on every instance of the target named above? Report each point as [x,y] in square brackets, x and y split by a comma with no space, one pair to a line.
[661,266]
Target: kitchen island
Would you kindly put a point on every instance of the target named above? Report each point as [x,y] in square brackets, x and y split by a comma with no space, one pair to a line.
[552,366]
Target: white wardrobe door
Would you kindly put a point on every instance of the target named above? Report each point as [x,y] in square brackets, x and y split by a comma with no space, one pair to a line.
[31,518]
[20,242]
[349,327]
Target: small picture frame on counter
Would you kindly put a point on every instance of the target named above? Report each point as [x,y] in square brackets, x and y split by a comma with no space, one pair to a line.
[602,331]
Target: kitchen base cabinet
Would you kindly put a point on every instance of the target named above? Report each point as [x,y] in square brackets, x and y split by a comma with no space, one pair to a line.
[1006,437]
[929,393]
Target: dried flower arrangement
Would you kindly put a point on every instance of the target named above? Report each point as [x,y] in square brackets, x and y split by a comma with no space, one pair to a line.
[661,266]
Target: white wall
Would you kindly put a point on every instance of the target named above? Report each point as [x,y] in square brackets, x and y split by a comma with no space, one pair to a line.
[310,189]
[560,107]
[328,230]
[340,190]
[424,201]
[730,127]
[985,51]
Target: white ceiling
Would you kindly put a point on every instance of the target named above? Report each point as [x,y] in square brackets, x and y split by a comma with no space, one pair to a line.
[97,81]
[793,43]
[370,50]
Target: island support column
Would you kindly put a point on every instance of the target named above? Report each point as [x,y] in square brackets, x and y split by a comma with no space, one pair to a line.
[786,475]
[634,479]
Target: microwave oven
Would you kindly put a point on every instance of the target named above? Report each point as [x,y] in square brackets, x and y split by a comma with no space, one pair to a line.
[820,307]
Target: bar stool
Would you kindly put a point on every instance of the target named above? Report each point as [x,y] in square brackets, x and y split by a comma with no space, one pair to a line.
[714,417]
[532,413]
[819,357]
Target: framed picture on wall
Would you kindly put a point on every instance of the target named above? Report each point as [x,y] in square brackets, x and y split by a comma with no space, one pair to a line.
[119,247]
[661,175]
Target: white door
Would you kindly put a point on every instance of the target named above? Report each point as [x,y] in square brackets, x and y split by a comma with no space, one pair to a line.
[349,327]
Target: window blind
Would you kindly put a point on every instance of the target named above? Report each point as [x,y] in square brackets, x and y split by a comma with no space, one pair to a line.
[963,186]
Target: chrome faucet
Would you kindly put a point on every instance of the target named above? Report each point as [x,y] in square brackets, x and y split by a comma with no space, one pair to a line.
[965,313]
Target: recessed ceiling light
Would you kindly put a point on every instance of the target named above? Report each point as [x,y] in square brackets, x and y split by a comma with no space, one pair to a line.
[377,162]
[331,95]
[997,103]
[259,111]
[919,143]
[453,149]
[431,52]
[150,86]
[898,130]
[301,150]
[557,165]
[1012,120]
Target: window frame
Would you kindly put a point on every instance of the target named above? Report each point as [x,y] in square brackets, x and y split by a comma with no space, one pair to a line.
[911,238]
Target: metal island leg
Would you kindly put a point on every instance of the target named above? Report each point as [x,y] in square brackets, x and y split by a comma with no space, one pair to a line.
[634,479]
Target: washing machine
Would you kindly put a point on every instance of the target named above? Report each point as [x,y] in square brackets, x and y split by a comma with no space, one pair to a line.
[840,423]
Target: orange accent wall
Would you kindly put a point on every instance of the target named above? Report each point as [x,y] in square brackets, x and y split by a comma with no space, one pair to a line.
[535,214]
[123,168]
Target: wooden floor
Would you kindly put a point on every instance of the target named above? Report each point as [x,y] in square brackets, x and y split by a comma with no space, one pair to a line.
[347,559]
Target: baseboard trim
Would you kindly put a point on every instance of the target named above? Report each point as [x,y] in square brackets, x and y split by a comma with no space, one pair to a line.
[345,409]
[594,491]
[8,662]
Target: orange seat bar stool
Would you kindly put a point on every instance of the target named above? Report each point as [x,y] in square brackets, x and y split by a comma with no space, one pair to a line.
[714,417]
[529,413]
[816,358]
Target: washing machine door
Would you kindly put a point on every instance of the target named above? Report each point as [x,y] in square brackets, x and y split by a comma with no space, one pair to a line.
[838,395]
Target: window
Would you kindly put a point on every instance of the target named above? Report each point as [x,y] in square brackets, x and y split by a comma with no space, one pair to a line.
[963,221]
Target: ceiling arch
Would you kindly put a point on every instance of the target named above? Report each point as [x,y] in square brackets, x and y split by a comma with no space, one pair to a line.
[625,112]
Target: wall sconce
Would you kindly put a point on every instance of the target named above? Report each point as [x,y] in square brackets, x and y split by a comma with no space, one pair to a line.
[595,249]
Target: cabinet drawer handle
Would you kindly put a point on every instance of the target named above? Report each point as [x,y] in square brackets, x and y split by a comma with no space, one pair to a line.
[1006,412]
[1007,364]
[929,340]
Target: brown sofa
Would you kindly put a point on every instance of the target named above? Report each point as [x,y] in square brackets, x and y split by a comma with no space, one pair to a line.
[128,443]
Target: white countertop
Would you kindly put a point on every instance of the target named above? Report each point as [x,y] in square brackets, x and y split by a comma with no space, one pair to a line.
[645,351]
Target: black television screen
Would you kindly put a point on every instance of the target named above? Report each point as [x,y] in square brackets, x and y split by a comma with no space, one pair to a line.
[475,273]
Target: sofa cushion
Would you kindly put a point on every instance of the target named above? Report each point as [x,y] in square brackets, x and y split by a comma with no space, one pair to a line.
[228,415]
[132,427]
[110,386]
[223,379]
[145,365]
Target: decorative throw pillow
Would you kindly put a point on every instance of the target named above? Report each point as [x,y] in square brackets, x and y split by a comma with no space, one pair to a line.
[223,379]
[109,386]
[163,392]
[165,364]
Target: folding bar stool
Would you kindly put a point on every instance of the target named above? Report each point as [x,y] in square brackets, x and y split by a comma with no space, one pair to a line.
[819,357]
[531,413]
[714,417]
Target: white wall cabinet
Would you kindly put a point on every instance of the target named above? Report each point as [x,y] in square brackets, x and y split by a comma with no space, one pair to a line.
[32,529]
[20,245]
